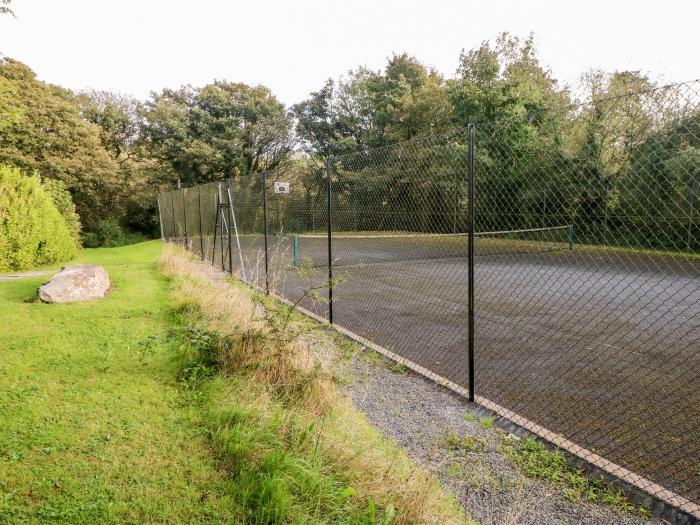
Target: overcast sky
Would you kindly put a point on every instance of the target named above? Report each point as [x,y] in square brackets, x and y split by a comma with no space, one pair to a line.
[292,46]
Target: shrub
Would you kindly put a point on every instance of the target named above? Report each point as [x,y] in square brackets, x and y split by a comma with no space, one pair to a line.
[64,204]
[32,230]
[110,234]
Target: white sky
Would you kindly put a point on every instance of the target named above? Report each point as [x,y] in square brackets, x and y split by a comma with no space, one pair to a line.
[292,46]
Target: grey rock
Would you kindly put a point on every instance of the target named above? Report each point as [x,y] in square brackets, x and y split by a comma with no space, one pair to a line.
[80,282]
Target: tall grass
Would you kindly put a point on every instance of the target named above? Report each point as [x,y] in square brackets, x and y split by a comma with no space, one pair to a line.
[296,449]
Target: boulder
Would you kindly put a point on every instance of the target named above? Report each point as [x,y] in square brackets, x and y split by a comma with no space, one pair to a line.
[80,282]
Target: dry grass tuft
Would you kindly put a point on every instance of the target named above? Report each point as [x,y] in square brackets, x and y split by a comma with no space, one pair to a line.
[263,349]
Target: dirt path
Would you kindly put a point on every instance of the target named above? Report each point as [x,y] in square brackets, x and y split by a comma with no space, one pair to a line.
[25,275]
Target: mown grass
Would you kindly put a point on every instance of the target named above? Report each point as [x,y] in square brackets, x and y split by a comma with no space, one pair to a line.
[154,405]
[94,428]
[295,448]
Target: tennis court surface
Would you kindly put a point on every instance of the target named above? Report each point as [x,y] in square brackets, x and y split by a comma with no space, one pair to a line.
[594,345]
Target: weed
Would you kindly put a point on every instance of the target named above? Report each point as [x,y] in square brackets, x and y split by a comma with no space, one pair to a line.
[486,422]
[399,368]
[464,444]
[470,417]
[374,357]
[553,465]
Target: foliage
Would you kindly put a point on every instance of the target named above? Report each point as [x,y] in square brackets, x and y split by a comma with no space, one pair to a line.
[32,230]
[141,175]
[5,7]
[118,117]
[370,109]
[536,143]
[221,130]
[63,201]
[620,165]
[110,234]
[553,465]
[42,130]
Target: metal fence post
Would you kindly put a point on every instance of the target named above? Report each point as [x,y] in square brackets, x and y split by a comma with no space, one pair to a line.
[470,258]
[330,239]
[184,215]
[160,220]
[172,203]
[224,227]
[232,225]
[228,227]
[216,226]
[199,213]
[264,191]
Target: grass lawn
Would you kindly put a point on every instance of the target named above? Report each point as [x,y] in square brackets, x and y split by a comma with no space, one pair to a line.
[93,427]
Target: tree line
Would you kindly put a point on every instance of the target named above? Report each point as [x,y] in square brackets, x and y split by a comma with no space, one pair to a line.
[538,139]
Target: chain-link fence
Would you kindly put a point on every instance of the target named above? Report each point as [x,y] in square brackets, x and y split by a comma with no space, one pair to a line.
[550,270]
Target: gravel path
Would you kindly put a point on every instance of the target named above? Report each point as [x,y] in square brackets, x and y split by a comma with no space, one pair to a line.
[419,414]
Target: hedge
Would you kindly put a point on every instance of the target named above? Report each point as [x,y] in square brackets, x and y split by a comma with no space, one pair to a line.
[33,232]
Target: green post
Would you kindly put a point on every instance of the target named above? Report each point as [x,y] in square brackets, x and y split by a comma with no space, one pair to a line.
[295,249]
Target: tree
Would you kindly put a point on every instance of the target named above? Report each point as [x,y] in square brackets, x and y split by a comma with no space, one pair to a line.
[5,7]
[370,109]
[42,130]
[119,119]
[221,130]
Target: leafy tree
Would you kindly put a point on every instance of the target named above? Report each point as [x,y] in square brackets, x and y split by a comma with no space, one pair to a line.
[5,7]
[370,109]
[221,130]
[320,133]
[119,119]
[42,130]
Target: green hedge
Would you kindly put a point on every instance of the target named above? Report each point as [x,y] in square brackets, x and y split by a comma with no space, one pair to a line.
[33,231]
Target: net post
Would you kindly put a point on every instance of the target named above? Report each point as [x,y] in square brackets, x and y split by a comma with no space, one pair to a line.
[295,251]
[330,241]
[570,235]
[264,192]
[184,215]
[470,258]
[199,214]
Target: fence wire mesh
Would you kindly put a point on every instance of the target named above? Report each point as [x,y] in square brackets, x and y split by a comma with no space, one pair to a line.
[585,261]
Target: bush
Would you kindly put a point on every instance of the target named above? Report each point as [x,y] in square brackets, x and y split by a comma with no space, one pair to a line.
[110,234]
[32,230]
[64,204]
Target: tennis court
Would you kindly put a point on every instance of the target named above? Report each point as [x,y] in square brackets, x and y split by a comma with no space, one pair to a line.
[586,343]
[586,279]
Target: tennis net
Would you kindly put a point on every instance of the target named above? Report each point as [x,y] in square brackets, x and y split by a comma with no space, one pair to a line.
[311,250]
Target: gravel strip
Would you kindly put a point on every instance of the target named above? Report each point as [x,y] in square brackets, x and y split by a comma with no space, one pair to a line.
[419,415]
